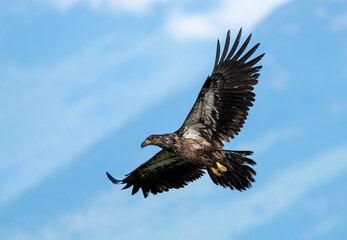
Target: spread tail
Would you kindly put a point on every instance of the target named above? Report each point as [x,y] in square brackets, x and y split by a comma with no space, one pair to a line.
[233,171]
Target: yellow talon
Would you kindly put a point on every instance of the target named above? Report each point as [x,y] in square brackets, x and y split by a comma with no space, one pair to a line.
[221,167]
[215,171]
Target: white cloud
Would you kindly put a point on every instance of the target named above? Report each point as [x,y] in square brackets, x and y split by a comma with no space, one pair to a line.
[134,6]
[182,25]
[228,14]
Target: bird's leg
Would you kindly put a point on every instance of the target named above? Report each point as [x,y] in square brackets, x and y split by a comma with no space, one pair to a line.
[221,167]
[216,171]
[219,170]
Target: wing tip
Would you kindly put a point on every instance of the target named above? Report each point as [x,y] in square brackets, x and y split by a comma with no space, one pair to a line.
[112,179]
[217,55]
[226,46]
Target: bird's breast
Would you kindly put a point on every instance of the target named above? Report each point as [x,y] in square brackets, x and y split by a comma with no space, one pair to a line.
[192,148]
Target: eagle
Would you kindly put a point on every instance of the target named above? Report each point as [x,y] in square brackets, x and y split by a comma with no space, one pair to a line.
[217,115]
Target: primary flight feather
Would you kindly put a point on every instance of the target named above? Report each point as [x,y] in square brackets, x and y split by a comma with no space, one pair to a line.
[217,115]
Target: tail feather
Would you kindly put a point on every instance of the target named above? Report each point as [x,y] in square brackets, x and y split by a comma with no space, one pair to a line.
[238,175]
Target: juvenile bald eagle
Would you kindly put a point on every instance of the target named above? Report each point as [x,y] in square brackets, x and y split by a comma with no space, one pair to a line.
[217,115]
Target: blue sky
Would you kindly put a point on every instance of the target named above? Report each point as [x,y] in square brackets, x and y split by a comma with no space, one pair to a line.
[84,82]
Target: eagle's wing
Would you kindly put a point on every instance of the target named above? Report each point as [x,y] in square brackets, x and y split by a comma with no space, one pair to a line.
[163,171]
[224,100]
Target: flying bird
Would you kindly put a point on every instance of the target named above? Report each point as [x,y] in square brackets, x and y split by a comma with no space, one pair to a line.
[218,114]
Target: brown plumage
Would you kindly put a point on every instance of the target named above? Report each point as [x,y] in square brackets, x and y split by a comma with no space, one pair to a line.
[217,115]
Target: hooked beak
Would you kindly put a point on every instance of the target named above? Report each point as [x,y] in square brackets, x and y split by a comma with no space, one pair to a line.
[145,143]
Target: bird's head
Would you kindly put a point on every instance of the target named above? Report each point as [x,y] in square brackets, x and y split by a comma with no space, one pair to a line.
[162,141]
[151,140]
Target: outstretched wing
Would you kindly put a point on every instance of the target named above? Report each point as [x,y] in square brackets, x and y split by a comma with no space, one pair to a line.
[163,171]
[224,100]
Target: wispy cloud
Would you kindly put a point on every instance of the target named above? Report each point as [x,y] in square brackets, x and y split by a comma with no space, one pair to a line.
[52,113]
[266,141]
[227,14]
[280,79]
[180,23]
[132,6]
[339,22]
[322,228]
[338,108]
